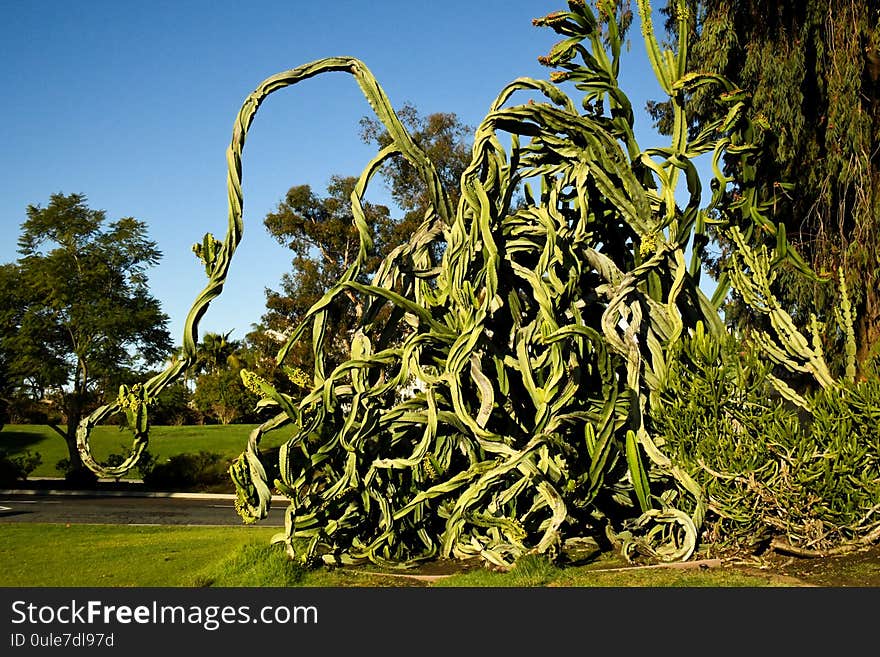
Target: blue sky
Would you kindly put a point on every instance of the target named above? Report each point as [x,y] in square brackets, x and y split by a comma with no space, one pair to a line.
[132,104]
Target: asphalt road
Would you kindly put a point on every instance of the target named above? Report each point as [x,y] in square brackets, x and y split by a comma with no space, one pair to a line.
[205,510]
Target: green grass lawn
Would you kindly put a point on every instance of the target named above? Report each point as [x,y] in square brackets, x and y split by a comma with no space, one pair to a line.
[165,441]
[39,555]
[115,555]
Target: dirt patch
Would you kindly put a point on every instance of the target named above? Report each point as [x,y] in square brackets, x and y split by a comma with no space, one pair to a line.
[856,569]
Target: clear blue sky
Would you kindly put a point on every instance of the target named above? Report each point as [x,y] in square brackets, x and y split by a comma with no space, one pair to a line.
[132,104]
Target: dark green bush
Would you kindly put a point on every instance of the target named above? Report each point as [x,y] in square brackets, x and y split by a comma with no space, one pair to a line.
[144,465]
[201,471]
[4,412]
[15,468]
[23,410]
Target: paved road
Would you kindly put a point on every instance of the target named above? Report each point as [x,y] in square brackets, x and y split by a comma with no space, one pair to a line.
[126,510]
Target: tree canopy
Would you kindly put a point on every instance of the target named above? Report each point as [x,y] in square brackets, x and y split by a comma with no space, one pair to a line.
[321,233]
[443,138]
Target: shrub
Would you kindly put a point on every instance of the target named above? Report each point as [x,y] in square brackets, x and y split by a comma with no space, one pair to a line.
[203,471]
[18,467]
[771,470]
[144,465]
[23,410]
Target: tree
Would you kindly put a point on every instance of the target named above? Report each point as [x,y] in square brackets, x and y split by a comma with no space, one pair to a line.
[10,319]
[214,352]
[85,312]
[812,69]
[172,406]
[220,393]
[322,234]
[443,138]
[222,396]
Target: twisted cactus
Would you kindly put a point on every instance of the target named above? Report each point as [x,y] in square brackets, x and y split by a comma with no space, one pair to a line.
[502,404]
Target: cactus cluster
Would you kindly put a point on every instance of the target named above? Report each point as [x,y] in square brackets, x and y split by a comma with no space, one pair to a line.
[497,398]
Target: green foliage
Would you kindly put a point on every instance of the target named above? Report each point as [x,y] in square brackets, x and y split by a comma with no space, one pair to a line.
[22,409]
[214,352]
[17,467]
[321,233]
[443,138]
[143,466]
[82,310]
[498,402]
[10,314]
[812,68]
[528,355]
[172,407]
[221,397]
[769,468]
[835,468]
[202,470]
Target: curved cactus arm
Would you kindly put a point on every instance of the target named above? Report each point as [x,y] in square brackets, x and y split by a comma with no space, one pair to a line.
[846,320]
[659,59]
[217,256]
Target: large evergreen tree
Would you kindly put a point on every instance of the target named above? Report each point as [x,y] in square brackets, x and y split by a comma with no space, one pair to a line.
[812,69]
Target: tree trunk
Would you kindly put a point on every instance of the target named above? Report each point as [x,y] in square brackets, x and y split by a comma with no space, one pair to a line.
[77,472]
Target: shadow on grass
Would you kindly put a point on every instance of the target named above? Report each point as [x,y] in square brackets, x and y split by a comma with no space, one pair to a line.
[18,441]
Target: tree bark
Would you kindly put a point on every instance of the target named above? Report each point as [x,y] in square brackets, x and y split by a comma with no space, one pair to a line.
[77,473]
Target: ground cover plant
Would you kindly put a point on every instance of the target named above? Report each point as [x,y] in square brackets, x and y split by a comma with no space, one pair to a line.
[802,481]
[505,384]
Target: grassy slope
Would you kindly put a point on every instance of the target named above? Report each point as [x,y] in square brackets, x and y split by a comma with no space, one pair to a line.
[114,555]
[165,441]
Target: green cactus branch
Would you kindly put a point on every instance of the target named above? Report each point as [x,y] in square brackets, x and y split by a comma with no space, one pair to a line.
[503,407]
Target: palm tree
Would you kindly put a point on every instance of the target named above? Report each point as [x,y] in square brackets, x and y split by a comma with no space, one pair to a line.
[214,352]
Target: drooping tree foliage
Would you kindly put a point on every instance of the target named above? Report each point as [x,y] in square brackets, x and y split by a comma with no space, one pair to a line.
[812,69]
[500,401]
